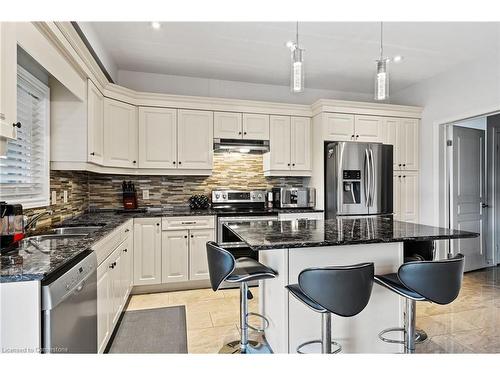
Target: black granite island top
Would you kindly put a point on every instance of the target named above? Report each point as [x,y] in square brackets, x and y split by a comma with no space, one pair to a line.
[266,235]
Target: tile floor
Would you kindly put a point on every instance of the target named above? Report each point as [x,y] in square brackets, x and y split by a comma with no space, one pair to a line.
[471,324]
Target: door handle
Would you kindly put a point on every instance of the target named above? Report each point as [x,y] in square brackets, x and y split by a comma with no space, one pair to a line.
[484,205]
[372,178]
[367,182]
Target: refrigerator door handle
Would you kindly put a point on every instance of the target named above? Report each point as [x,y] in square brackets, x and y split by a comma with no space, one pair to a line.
[340,152]
[372,179]
[366,175]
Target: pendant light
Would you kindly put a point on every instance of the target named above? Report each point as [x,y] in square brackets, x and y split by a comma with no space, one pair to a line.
[381,74]
[297,64]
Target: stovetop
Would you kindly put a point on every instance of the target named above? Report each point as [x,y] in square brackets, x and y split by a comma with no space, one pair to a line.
[243,210]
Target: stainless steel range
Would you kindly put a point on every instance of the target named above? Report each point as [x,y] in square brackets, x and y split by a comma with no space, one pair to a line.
[234,206]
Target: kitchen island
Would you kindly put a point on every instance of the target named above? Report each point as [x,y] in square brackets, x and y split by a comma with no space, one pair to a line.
[291,246]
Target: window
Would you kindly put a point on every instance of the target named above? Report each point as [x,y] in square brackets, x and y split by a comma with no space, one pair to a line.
[24,171]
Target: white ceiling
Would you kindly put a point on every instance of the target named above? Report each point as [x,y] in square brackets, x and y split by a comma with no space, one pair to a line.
[338,56]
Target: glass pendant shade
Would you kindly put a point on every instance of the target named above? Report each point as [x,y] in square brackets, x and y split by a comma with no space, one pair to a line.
[297,71]
[381,81]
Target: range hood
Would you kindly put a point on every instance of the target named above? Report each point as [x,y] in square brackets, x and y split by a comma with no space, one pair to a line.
[243,146]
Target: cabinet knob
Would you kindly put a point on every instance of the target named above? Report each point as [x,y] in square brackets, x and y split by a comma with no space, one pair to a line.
[180,163]
[404,176]
[157,224]
[239,133]
[125,250]
[17,125]
[352,136]
[293,165]
[127,230]
[404,165]
[185,236]
[173,162]
[192,236]
[134,162]
[399,176]
[288,164]
[244,133]
[92,153]
[357,135]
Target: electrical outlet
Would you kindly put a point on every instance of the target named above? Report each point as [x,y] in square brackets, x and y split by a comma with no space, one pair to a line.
[54,197]
[145,194]
[65,196]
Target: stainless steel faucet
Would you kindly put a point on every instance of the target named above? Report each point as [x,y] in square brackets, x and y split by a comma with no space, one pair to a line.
[30,224]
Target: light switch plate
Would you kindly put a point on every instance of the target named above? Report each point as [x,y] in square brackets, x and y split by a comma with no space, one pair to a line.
[65,196]
[145,194]
[54,197]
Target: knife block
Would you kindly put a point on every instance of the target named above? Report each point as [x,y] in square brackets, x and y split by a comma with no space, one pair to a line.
[130,200]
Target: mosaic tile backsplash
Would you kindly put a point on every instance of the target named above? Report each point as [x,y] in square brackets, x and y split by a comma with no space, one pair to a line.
[231,171]
[95,191]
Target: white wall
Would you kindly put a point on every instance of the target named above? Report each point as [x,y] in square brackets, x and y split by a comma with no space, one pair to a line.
[467,90]
[169,84]
[99,49]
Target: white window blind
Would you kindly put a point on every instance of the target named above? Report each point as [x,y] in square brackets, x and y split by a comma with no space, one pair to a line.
[24,171]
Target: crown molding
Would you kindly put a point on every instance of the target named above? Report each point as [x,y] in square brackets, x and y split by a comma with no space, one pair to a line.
[365,108]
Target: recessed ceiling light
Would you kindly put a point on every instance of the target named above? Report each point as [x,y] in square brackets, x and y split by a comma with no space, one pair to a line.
[156,25]
[291,45]
[397,58]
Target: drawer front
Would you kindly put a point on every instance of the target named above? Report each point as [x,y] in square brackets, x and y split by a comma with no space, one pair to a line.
[108,244]
[301,215]
[188,222]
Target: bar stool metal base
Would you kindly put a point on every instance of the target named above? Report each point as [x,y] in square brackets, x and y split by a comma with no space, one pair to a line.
[307,343]
[261,329]
[420,335]
[253,347]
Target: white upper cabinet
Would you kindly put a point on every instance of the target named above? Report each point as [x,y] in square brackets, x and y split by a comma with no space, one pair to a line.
[228,125]
[157,138]
[368,128]
[195,139]
[255,126]
[95,122]
[8,82]
[279,143]
[290,147]
[301,151]
[409,142]
[120,134]
[339,127]
[403,134]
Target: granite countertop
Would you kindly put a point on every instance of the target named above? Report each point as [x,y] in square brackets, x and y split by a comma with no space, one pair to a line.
[28,263]
[265,235]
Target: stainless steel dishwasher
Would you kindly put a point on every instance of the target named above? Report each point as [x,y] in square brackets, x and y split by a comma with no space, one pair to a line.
[69,308]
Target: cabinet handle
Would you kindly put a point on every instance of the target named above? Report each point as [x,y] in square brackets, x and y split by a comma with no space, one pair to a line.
[180,163]
[399,176]
[157,224]
[92,153]
[244,133]
[134,162]
[185,236]
[357,135]
[399,165]
[112,265]
[288,164]
[352,136]
[293,165]
[127,230]
[173,162]
[125,250]
[188,222]
[17,125]
[404,165]
[404,176]
[192,236]
[239,133]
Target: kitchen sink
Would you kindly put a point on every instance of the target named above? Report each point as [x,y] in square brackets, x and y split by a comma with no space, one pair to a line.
[65,231]
[44,237]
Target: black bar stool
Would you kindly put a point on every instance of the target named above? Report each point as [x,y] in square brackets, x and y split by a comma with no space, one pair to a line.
[339,290]
[223,267]
[434,281]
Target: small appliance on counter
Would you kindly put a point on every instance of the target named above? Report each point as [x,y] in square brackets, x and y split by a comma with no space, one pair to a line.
[199,202]
[300,197]
[11,224]
[129,196]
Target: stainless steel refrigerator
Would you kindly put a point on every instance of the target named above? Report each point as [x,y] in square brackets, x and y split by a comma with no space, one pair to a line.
[358,179]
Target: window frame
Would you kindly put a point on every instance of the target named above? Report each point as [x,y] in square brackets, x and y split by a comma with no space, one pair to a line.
[42,91]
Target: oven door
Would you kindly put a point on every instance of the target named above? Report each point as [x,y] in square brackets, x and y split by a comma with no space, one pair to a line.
[226,238]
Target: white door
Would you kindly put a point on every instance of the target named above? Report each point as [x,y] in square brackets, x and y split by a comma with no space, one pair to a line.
[368,128]
[195,139]
[301,153]
[397,196]
[279,143]
[120,134]
[409,144]
[147,251]
[157,138]
[469,194]
[339,127]
[95,121]
[228,125]
[255,126]
[198,264]
[409,198]
[104,302]
[392,129]
[174,256]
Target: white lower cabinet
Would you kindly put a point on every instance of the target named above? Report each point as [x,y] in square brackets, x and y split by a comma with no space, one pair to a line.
[301,215]
[184,248]
[114,282]
[174,256]
[198,263]
[147,254]
[406,196]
